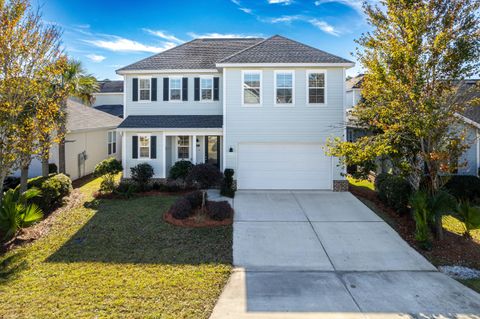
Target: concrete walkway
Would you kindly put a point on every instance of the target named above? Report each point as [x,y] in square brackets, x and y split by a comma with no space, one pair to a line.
[326,255]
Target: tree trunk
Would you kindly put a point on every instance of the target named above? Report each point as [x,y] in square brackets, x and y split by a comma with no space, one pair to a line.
[61,156]
[439,227]
[23,178]
[45,169]
[2,179]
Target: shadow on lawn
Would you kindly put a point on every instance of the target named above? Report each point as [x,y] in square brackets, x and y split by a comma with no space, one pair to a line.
[133,231]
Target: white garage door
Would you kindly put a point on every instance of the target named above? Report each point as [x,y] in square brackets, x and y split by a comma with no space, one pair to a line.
[283,166]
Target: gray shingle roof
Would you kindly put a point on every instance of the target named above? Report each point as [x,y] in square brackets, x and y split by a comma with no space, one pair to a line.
[113,109]
[355,82]
[110,86]
[473,111]
[172,121]
[278,49]
[81,117]
[196,54]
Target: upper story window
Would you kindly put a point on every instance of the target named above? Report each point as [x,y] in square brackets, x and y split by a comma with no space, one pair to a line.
[175,89]
[144,89]
[252,87]
[284,87]
[206,89]
[144,146]
[112,142]
[316,87]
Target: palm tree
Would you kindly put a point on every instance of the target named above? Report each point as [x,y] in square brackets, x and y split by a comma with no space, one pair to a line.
[78,83]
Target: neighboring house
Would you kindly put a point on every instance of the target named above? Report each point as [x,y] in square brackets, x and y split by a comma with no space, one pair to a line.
[263,107]
[91,137]
[110,97]
[469,162]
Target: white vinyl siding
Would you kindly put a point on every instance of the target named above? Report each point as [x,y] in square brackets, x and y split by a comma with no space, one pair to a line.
[284,89]
[144,89]
[252,88]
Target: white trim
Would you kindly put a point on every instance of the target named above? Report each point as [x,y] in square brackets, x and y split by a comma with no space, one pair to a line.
[224,128]
[207,77]
[170,78]
[307,85]
[106,93]
[275,103]
[194,148]
[164,141]
[125,98]
[243,89]
[344,98]
[160,71]
[189,148]
[149,135]
[239,65]
[467,120]
[124,153]
[174,131]
[114,134]
[149,89]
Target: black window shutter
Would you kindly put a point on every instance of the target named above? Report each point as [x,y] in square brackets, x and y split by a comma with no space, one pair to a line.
[197,89]
[134,89]
[216,83]
[153,146]
[135,146]
[184,89]
[154,89]
[165,89]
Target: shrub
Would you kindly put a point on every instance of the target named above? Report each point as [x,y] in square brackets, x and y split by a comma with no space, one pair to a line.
[422,215]
[219,210]
[53,189]
[204,175]
[16,212]
[180,169]
[141,174]
[227,184]
[181,209]
[464,187]
[394,191]
[52,168]
[196,198]
[107,169]
[126,189]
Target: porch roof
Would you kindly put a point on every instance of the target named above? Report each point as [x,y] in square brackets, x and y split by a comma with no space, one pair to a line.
[172,121]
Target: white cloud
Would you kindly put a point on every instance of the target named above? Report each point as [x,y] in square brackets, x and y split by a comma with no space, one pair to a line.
[354,4]
[237,2]
[96,58]
[284,2]
[164,35]
[119,44]
[220,35]
[246,10]
[324,26]
[284,19]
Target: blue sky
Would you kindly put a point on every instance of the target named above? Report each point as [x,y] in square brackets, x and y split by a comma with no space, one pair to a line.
[106,35]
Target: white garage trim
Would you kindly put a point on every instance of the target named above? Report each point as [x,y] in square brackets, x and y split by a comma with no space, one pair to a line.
[273,166]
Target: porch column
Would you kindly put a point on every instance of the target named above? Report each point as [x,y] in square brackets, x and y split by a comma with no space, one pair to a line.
[164,141]
[194,151]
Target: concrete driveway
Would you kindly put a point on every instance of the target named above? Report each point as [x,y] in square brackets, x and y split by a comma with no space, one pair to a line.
[326,255]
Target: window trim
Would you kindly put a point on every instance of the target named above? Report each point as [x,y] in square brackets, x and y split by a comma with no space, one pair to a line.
[208,77]
[177,159]
[308,87]
[140,135]
[170,89]
[243,89]
[140,78]
[114,134]
[275,103]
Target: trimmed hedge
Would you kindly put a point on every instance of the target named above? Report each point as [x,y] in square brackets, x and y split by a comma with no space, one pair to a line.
[54,188]
[464,187]
[227,184]
[180,169]
[181,209]
[394,191]
[219,210]
[142,174]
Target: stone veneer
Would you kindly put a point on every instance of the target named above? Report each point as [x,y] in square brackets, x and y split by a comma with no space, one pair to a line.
[340,185]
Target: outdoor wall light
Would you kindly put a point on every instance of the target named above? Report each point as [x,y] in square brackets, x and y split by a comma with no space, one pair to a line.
[231,149]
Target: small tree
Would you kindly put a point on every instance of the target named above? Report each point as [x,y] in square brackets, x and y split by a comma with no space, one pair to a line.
[204,175]
[107,169]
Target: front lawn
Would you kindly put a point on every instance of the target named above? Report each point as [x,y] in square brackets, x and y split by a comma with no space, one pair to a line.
[361,183]
[116,259]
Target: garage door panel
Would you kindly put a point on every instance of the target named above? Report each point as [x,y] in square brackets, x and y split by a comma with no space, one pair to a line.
[283,166]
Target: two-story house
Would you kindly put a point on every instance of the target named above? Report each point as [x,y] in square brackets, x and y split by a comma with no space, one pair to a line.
[263,107]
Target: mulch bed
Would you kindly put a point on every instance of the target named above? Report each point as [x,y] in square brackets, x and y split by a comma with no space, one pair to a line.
[452,250]
[197,220]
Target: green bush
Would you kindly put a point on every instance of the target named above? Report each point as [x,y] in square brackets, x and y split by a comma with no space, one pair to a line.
[142,174]
[227,184]
[107,169]
[180,169]
[53,189]
[52,168]
[394,191]
[126,189]
[464,187]
[422,216]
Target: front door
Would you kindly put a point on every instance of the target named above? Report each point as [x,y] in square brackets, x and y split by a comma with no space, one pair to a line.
[212,150]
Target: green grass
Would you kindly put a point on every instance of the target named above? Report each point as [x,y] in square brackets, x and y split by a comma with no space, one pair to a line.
[453,225]
[116,259]
[361,183]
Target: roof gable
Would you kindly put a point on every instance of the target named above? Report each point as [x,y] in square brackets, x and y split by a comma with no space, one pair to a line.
[81,117]
[278,49]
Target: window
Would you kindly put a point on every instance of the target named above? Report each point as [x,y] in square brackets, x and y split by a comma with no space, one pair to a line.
[252,88]
[175,89]
[144,146]
[183,147]
[284,87]
[206,89]
[112,142]
[316,87]
[144,89]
